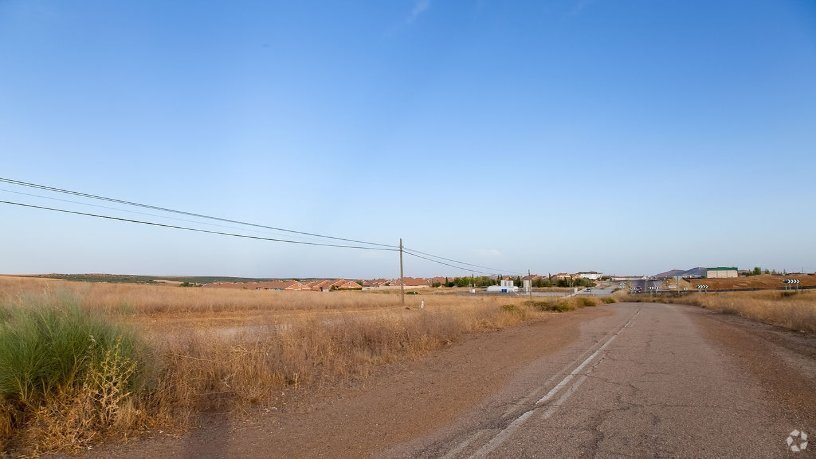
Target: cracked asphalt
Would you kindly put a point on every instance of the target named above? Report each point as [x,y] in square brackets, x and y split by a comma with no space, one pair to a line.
[678,381]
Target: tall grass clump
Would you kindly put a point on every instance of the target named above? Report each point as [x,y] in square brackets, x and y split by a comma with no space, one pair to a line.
[552,306]
[587,302]
[65,374]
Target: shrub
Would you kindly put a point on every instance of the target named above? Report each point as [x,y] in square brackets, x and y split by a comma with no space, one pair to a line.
[587,302]
[65,372]
[555,306]
[608,300]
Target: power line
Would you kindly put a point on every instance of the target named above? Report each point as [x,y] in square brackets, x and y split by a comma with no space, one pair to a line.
[408,250]
[181,212]
[98,206]
[198,230]
[447,264]
[416,253]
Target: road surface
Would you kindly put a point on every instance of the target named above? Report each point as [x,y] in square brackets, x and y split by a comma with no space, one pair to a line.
[617,380]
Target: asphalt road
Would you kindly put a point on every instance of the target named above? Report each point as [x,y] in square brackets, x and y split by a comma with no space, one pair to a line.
[597,291]
[645,285]
[650,380]
[615,380]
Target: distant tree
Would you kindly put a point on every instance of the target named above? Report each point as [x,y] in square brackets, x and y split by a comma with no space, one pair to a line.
[542,282]
[757,271]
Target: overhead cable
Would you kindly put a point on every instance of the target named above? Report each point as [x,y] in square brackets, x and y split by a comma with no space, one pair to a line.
[181,212]
[198,230]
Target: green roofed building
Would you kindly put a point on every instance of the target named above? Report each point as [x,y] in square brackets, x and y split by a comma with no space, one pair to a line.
[721,272]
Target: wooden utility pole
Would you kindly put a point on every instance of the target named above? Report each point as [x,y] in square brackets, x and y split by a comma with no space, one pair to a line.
[402,277]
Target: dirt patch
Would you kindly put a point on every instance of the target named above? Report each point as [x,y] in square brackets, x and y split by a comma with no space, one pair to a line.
[783,361]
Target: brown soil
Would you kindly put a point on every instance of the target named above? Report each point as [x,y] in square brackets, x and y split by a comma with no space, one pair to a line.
[762,281]
[781,360]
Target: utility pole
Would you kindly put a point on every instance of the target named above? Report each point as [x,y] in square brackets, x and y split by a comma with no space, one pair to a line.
[530,283]
[402,277]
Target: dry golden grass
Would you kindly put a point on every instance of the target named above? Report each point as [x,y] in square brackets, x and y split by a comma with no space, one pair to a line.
[796,311]
[228,348]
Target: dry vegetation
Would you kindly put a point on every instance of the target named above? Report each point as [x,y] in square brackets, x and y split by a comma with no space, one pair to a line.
[795,311]
[764,281]
[192,349]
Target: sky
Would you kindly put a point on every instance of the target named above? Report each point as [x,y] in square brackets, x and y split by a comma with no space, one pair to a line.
[627,137]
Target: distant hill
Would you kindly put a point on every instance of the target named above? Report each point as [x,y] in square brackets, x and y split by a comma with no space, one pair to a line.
[147,279]
[693,272]
[139,279]
[669,274]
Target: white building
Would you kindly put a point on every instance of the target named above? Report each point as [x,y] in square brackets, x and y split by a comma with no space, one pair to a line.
[505,287]
[591,275]
[721,272]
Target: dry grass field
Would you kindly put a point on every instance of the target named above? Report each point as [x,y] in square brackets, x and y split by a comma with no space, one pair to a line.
[764,281]
[156,355]
[795,311]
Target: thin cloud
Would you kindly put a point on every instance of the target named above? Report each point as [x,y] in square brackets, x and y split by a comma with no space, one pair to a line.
[420,7]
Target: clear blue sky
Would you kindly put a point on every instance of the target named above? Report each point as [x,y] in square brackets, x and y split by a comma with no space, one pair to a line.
[619,136]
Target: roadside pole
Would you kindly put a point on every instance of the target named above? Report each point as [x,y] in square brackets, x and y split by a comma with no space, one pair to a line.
[402,277]
[530,280]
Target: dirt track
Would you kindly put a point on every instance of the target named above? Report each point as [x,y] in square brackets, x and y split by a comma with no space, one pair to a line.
[637,379]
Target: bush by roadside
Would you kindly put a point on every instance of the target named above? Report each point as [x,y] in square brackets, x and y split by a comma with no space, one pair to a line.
[66,376]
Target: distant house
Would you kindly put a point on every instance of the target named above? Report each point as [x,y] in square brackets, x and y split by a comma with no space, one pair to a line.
[415,282]
[375,283]
[279,285]
[343,284]
[721,272]
[320,285]
[562,276]
[326,285]
[628,278]
[262,285]
[591,275]
[410,283]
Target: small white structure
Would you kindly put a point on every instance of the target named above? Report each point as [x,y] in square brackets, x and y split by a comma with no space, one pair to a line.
[528,285]
[591,275]
[505,287]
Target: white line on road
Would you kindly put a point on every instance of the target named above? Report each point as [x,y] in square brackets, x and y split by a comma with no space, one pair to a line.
[499,438]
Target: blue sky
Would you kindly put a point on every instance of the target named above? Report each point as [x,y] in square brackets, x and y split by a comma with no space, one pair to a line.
[619,136]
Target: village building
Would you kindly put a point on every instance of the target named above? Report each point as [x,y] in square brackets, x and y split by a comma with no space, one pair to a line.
[721,272]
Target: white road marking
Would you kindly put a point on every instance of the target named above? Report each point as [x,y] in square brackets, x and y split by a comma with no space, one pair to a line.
[499,438]
[524,400]
[455,451]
